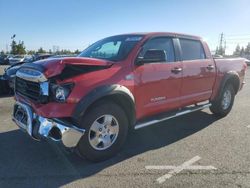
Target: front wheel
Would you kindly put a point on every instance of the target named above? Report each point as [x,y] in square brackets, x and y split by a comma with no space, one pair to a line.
[223,105]
[106,128]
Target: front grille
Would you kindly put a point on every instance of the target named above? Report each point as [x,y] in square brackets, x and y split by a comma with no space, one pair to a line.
[27,88]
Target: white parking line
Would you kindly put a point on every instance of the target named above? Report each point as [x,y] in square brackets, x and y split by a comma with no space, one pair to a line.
[177,169]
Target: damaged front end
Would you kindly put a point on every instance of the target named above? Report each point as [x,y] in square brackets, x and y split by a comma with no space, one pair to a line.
[41,83]
[34,86]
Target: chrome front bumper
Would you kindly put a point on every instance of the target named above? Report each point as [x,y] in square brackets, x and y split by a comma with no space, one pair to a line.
[39,127]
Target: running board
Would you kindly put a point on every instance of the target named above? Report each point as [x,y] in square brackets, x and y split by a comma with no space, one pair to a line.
[173,115]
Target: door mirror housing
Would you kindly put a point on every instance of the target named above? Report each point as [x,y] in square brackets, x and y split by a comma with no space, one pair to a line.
[152,56]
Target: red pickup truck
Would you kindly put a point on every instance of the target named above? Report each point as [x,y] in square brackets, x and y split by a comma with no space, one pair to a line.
[122,82]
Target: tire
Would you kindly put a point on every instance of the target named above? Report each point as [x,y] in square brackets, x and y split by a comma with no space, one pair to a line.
[224,103]
[100,143]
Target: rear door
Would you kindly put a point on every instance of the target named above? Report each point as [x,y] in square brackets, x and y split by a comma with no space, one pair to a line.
[198,72]
[158,84]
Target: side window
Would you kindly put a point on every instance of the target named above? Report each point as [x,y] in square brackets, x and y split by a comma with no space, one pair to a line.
[192,49]
[161,43]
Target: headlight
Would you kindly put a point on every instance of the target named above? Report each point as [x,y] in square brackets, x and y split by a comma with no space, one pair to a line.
[61,92]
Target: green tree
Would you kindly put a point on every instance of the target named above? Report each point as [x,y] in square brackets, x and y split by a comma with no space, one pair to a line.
[237,50]
[247,49]
[13,47]
[64,51]
[41,50]
[17,48]
[2,53]
[77,52]
[242,52]
[31,52]
[21,48]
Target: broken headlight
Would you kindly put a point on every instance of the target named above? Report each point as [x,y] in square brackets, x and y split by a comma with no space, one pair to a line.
[61,92]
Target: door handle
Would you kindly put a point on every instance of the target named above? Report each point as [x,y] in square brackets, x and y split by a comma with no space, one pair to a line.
[210,67]
[176,70]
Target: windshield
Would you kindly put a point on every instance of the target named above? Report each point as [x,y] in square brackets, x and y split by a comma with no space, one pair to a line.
[114,48]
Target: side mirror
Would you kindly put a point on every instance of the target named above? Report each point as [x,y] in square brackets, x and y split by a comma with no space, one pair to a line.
[152,56]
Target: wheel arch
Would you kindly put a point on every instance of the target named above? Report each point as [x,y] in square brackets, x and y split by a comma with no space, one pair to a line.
[118,94]
[230,77]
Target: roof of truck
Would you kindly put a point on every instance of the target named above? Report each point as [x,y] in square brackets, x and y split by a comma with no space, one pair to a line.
[152,34]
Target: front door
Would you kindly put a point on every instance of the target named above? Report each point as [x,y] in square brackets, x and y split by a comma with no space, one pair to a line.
[158,84]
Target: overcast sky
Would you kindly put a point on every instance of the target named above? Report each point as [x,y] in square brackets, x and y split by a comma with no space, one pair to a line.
[74,24]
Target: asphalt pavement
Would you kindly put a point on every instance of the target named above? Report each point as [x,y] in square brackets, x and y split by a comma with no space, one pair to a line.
[195,150]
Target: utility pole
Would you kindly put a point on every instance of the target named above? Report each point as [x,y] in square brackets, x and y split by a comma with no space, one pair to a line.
[221,48]
[221,40]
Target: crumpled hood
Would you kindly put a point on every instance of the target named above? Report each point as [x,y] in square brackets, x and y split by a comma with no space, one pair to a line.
[53,67]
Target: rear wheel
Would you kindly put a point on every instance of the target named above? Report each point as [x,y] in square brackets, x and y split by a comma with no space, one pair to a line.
[223,105]
[106,128]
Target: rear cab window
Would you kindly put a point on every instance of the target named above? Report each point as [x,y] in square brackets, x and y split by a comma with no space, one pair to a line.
[191,50]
